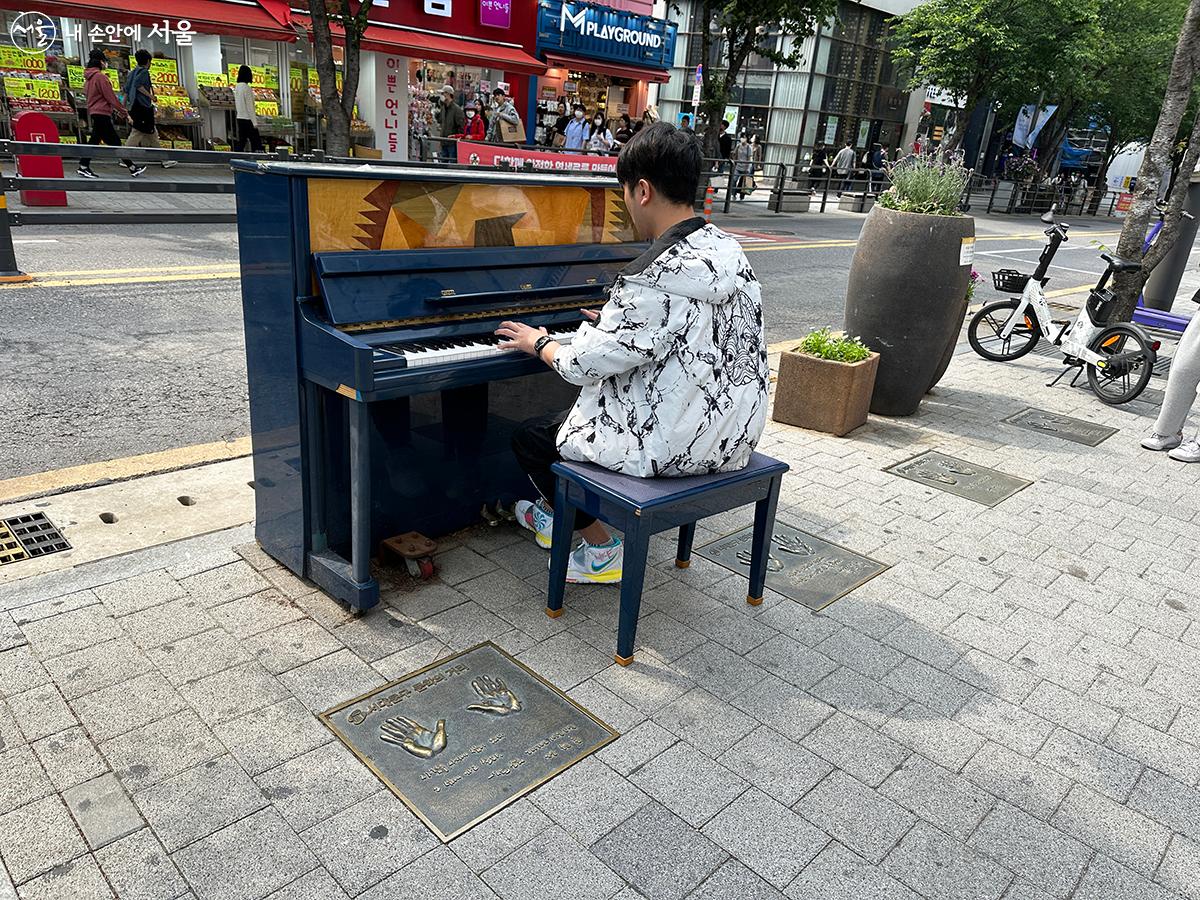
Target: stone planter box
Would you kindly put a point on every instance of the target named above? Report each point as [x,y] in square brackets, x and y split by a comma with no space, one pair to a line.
[856,202]
[790,201]
[823,395]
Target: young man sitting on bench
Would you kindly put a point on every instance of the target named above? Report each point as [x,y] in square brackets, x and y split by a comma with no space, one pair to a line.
[672,370]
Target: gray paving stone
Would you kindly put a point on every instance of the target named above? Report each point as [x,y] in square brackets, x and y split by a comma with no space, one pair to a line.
[220,585]
[938,796]
[859,696]
[720,671]
[259,612]
[929,686]
[170,622]
[288,584]
[861,653]
[96,667]
[1047,857]
[139,868]
[112,711]
[21,779]
[986,636]
[1156,749]
[1004,723]
[1133,700]
[249,858]
[1107,880]
[37,837]
[565,660]
[1169,802]
[1180,868]
[659,854]
[917,641]
[854,748]
[326,682]
[140,592]
[588,800]
[602,702]
[10,635]
[285,647]
[439,866]
[465,625]
[69,758]
[784,707]
[1071,711]
[552,861]
[799,623]
[859,817]
[232,693]
[362,845]
[733,881]
[315,885]
[272,735]
[1090,764]
[667,637]
[838,872]
[40,712]
[636,747]
[20,670]
[1022,782]
[707,723]
[942,740]
[199,801]
[198,656]
[943,869]
[688,783]
[1023,890]
[1059,668]
[778,766]
[736,629]
[1120,833]
[406,661]
[379,633]
[767,836]
[1186,725]
[71,631]
[498,589]
[648,684]
[792,661]
[103,810]
[55,606]
[317,785]
[495,838]
[147,755]
[79,879]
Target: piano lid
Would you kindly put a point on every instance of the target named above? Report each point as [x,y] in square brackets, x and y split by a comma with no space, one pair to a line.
[431,173]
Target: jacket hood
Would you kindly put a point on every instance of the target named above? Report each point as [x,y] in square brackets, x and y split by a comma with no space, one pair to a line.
[91,72]
[703,266]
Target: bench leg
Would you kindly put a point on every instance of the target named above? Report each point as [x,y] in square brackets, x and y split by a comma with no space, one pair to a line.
[560,549]
[633,573]
[683,555]
[764,527]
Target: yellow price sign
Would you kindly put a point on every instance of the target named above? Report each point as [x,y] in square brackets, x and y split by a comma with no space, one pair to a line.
[263,76]
[75,76]
[169,101]
[16,58]
[268,108]
[211,79]
[164,71]
[46,90]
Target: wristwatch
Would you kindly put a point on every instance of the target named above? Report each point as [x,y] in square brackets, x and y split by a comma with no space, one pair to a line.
[540,344]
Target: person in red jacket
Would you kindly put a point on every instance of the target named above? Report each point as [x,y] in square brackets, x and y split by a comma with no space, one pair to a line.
[102,105]
[474,129]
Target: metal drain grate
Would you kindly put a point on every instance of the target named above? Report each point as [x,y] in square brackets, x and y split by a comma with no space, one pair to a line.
[29,536]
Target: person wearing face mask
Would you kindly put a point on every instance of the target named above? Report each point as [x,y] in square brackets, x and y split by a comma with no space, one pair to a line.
[473,128]
[743,166]
[577,131]
[558,134]
[601,139]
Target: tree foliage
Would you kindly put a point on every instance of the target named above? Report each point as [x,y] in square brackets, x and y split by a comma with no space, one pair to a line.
[349,18]
[737,28]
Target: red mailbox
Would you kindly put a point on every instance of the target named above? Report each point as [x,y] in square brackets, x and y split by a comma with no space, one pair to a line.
[38,127]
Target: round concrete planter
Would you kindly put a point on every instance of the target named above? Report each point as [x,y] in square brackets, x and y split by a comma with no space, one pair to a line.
[905,299]
[821,394]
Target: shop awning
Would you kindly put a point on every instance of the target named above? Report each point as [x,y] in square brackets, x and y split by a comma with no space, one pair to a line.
[424,45]
[581,64]
[205,16]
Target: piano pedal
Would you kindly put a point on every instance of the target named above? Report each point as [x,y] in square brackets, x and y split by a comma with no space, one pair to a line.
[414,548]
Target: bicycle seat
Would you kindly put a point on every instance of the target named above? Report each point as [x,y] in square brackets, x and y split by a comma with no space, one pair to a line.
[1117,264]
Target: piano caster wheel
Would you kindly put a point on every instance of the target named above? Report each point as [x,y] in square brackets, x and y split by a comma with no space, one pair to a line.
[415,549]
[420,568]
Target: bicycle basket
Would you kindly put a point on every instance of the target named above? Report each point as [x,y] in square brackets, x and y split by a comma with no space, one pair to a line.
[1010,281]
[1100,305]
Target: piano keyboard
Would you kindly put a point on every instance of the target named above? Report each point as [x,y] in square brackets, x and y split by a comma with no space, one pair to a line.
[441,351]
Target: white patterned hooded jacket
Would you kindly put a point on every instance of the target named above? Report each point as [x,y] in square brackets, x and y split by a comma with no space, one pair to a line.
[674,373]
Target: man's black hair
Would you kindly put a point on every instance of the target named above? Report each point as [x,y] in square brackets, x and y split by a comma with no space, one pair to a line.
[666,157]
[724,124]
[142,57]
[689,118]
[499,92]
[96,58]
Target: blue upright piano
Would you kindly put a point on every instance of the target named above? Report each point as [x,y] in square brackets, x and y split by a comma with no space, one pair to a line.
[379,401]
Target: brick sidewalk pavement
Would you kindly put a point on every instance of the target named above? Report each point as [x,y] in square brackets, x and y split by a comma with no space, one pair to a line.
[1011,711]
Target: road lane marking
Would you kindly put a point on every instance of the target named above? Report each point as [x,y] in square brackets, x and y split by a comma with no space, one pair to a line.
[136,279]
[198,267]
[35,240]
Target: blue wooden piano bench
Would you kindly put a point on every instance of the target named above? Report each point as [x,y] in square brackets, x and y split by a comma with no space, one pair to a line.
[642,507]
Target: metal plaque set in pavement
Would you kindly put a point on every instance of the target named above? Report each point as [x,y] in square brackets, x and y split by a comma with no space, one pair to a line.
[959,477]
[1066,427]
[811,571]
[461,739]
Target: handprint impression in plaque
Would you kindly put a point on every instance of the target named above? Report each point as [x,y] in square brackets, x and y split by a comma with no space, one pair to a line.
[413,736]
[496,698]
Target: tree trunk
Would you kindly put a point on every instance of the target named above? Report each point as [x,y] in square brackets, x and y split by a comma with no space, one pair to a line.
[960,131]
[338,106]
[1155,166]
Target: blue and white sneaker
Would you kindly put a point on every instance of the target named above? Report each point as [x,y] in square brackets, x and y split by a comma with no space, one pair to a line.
[537,517]
[596,565]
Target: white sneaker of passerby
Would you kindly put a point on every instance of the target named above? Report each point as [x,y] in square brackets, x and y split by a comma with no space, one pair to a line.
[168,163]
[1188,451]
[537,517]
[1156,441]
[596,565]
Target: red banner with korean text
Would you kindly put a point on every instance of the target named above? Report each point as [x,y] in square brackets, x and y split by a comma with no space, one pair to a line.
[476,154]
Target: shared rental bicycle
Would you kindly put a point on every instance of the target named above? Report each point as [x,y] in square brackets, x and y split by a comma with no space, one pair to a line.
[1118,358]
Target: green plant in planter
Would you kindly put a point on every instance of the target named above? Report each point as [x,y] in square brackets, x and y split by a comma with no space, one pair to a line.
[926,183]
[826,345]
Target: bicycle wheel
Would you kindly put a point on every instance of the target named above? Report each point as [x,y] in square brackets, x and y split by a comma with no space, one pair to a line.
[986,332]
[1130,363]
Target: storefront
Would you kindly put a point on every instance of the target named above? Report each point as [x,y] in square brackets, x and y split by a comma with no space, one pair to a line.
[602,58]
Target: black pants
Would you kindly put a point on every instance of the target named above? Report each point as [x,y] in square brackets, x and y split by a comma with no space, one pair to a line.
[103,132]
[536,448]
[248,134]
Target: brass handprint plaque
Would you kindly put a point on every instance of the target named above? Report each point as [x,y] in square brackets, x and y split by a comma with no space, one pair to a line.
[1066,427]
[461,739]
[959,477]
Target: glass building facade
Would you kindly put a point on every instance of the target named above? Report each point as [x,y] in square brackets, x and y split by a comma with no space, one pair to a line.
[845,87]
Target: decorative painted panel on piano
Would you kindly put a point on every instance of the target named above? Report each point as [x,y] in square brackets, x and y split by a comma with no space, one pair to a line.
[379,401]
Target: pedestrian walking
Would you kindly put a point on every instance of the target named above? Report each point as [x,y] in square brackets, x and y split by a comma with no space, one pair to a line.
[672,370]
[725,145]
[743,166]
[473,127]
[102,106]
[450,116]
[874,159]
[601,139]
[505,124]
[558,134]
[843,164]
[247,118]
[139,100]
[624,130]
[577,132]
